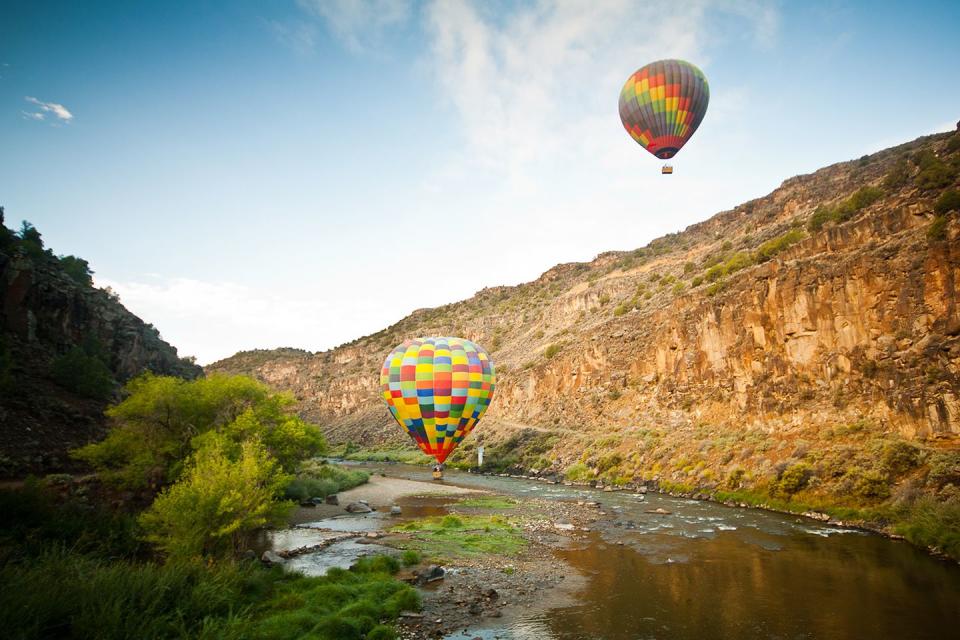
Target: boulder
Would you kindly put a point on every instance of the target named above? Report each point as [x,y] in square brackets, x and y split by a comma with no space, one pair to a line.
[271,558]
[395,510]
[358,507]
[332,499]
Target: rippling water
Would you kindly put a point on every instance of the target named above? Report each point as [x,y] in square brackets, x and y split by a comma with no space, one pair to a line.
[708,571]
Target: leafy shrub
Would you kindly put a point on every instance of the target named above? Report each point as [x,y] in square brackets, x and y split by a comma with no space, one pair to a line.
[861,198]
[714,273]
[304,488]
[82,373]
[678,288]
[899,457]
[930,523]
[714,289]
[937,231]
[551,351]
[948,201]
[898,176]
[820,217]
[164,419]
[342,477]
[688,268]
[697,281]
[78,269]
[794,478]
[620,309]
[578,472]
[218,503]
[410,558]
[870,483]
[953,144]
[944,468]
[774,246]
[935,175]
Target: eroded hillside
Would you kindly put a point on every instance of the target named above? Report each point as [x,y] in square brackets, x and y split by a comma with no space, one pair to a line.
[816,328]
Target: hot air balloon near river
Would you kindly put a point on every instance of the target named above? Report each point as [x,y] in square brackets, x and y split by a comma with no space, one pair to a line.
[662,104]
[437,389]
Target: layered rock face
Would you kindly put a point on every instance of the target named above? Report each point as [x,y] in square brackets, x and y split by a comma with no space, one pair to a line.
[44,313]
[758,319]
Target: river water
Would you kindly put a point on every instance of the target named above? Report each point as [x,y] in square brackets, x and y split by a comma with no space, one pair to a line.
[707,571]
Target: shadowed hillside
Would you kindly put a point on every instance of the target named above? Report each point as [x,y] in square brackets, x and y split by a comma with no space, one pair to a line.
[65,347]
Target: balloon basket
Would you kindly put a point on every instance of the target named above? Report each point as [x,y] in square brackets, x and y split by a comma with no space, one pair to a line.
[667,170]
[438,475]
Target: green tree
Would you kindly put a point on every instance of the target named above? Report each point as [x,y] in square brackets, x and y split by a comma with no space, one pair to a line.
[163,420]
[83,373]
[31,240]
[219,501]
[78,269]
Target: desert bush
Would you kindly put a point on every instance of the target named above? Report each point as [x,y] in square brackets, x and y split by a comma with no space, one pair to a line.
[770,248]
[578,472]
[937,231]
[219,502]
[551,351]
[163,420]
[794,478]
[898,176]
[899,457]
[948,201]
[697,281]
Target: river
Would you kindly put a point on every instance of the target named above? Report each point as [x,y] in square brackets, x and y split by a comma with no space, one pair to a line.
[705,571]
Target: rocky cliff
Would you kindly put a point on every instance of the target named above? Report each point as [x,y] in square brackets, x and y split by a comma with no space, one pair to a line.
[818,322]
[65,347]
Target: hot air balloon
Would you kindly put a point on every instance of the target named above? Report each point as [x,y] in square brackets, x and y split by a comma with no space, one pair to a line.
[662,104]
[437,389]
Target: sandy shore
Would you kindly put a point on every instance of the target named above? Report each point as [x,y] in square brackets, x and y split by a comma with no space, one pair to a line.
[382,491]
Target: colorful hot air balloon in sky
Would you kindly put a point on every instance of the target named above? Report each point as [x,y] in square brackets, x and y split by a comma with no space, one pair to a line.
[437,389]
[662,104]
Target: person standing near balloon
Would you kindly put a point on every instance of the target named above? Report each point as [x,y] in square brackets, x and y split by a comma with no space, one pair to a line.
[437,389]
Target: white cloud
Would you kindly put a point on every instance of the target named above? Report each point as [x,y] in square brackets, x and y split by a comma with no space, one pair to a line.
[33,116]
[539,84]
[213,320]
[298,35]
[57,110]
[359,24]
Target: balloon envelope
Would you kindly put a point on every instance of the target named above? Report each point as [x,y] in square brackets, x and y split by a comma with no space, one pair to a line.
[437,389]
[662,104]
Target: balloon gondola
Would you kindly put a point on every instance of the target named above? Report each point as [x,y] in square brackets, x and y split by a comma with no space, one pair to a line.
[662,104]
[437,389]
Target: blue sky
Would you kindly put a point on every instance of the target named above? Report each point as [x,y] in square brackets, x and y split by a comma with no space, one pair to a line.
[300,173]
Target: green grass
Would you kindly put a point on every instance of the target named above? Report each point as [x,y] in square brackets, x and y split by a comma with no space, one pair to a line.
[64,594]
[930,523]
[396,454]
[458,536]
[488,502]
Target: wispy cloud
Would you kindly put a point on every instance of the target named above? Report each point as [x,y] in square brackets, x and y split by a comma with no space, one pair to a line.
[535,85]
[212,320]
[298,35]
[359,24]
[30,115]
[58,111]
